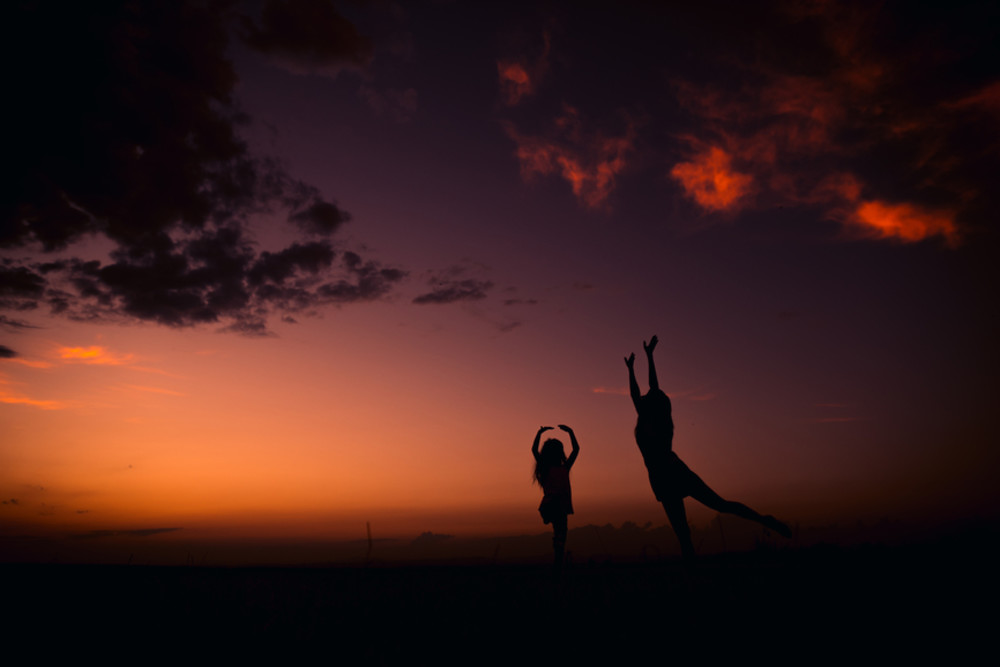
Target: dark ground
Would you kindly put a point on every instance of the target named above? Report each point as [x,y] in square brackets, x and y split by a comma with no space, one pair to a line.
[819,604]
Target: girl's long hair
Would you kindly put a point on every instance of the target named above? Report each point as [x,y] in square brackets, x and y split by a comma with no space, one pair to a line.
[552,454]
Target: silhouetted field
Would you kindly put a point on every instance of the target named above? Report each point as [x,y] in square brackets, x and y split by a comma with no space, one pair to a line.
[867,603]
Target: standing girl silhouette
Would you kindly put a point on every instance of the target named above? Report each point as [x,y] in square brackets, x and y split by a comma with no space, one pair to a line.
[552,474]
[671,479]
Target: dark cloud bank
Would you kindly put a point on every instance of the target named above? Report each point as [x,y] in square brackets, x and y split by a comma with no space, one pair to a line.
[125,127]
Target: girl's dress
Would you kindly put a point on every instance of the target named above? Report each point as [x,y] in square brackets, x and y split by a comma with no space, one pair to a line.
[558,498]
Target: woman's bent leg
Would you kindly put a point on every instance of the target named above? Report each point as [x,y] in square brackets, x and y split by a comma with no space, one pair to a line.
[560,528]
[678,520]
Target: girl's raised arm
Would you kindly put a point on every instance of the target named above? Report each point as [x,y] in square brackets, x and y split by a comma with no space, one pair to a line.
[574,443]
[653,384]
[633,386]
[538,436]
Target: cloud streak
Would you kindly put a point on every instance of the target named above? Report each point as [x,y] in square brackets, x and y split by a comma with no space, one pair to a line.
[93,355]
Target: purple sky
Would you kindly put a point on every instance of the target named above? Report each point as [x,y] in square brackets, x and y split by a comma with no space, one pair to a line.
[407,235]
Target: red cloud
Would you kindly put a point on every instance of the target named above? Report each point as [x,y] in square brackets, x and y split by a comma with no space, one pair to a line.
[986,98]
[514,82]
[904,222]
[773,131]
[519,77]
[588,162]
[710,180]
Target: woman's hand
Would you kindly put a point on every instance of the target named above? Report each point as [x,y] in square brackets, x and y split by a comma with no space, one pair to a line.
[630,360]
[652,345]
[543,429]
[566,428]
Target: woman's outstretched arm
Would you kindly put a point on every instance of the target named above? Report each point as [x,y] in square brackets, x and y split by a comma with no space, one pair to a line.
[653,383]
[633,386]
[574,443]
[538,436]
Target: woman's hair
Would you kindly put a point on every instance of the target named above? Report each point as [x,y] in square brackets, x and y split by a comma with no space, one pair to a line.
[552,454]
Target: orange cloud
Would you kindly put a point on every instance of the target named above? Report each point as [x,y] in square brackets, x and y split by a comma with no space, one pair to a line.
[710,180]
[7,397]
[986,98]
[95,354]
[29,363]
[20,399]
[905,222]
[616,391]
[805,112]
[589,164]
[514,82]
[520,78]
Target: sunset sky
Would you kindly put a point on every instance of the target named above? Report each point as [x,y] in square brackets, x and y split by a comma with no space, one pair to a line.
[279,269]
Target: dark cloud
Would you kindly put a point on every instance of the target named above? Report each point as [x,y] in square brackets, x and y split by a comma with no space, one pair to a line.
[12,501]
[14,324]
[450,291]
[320,217]
[6,352]
[127,128]
[278,267]
[20,288]
[366,281]
[307,37]
[505,327]
[400,105]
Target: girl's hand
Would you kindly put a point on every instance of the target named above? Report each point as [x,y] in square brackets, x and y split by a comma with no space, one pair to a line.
[543,429]
[565,428]
[652,344]
[630,360]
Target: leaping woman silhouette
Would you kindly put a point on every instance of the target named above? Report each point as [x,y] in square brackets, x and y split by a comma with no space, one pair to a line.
[672,481]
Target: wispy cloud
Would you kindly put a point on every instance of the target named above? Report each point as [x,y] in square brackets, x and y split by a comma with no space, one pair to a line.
[520,76]
[94,354]
[453,284]
[16,398]
[589,160]
[154,390]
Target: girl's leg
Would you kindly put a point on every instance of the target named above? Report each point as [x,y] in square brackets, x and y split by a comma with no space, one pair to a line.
[678,520]
[559,527]
[701,492]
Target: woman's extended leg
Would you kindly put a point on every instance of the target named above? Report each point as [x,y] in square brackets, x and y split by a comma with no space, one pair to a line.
[701,492]
[678,521]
